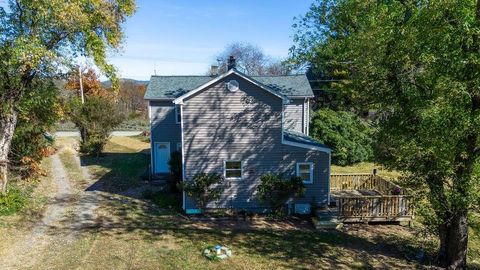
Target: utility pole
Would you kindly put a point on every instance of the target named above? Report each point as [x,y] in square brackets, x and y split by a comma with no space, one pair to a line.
[81,84]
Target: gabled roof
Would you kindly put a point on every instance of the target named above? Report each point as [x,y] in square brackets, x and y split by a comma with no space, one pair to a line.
[304,141]
[180,99]
[172,87]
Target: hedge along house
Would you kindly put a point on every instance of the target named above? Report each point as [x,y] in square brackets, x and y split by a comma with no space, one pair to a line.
[241,127]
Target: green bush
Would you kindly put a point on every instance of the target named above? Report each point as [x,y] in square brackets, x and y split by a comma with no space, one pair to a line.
[175,164]
[39,109]
[349,136]
[275,190]
[12,202]
[204,188]
[95,119]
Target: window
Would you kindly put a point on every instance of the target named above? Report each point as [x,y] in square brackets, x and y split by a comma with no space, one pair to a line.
[178,114]
[233,170]
[305,171]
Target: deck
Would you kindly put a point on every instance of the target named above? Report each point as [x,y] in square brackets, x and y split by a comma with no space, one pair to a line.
[369,198]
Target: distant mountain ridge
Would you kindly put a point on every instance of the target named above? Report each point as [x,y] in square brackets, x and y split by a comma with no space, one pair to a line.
[108,83]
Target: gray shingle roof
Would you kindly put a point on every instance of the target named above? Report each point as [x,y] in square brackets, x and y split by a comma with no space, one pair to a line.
[298,137]
[170,87]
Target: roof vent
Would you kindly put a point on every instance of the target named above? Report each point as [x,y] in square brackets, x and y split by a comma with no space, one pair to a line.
[232,86]
[231,62]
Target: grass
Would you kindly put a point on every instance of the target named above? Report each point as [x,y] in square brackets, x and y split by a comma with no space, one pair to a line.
[13,201]
[75,174]
[133,233]
[365,167]
[23,195]
[121,167]
[142,236]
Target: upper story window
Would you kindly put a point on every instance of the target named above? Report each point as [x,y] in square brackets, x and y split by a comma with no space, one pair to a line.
[233,170]
[178,114]
[305,171]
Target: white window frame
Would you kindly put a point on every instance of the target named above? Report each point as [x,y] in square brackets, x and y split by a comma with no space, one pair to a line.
[311,171]
[225,170]
[178,113]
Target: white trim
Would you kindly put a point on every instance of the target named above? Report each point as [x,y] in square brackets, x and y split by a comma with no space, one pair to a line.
[307,146]
[308,117]
[158,99]
[184,201]
[311,165]
[304,116]
[300,97]
[177,110]
[180,99]
[169,152]
[225,170]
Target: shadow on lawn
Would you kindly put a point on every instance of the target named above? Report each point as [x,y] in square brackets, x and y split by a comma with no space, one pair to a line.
[122,214]
[117,172]
[302,249]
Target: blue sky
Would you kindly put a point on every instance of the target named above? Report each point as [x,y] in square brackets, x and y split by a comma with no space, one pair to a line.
[183,37]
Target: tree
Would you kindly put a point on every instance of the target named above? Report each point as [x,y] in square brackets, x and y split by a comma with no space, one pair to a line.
[95,119]
[39,110]
[131,98]
[349,136]
[418,64]
[251,60]
[39,38]
[92,86]
[275,190]
[204,188]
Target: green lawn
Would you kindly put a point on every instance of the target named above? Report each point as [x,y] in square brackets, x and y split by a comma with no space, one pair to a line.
[134,233]
[142,235]
[365,167]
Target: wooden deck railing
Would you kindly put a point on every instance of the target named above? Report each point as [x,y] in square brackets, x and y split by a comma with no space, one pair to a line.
[359,208]
[362,181]
[375,208]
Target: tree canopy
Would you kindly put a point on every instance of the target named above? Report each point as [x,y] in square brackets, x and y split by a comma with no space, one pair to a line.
[251,60]
[349,136]
[417,65]
[40,38]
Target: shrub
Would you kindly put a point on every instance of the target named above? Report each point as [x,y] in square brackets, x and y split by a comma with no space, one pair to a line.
[275,190]
[204,188]
[349,137]
[11,202]
[95,119]
[39,109]
[175,164]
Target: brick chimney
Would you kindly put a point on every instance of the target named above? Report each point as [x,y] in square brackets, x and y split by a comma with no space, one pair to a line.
[231,62]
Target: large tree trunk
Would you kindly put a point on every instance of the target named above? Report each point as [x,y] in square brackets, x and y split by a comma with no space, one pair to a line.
[453,242]
[7,128]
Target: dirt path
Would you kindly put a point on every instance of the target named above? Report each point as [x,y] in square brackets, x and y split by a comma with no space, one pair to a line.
[66,214]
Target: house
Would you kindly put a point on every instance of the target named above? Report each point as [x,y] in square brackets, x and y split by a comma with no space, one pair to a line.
[240,127]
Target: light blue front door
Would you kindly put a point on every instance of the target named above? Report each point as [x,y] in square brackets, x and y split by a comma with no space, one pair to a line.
[162,156]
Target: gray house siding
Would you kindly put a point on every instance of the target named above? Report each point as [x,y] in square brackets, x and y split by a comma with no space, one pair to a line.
[246,125]
[163,126]
[295,115]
